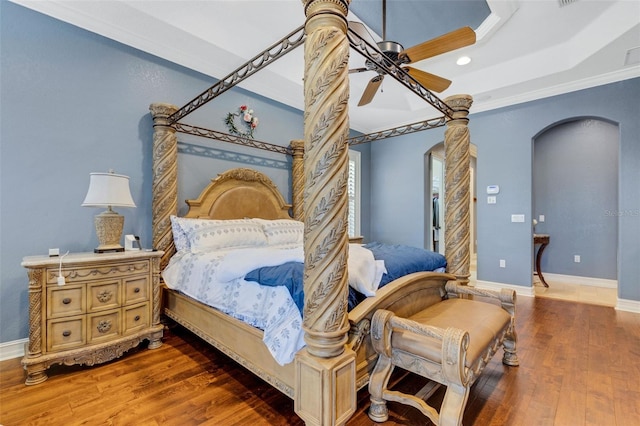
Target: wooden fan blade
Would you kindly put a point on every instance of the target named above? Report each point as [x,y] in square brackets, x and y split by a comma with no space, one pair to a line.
[371,90]
[456,39]
[428,80]
[361,30]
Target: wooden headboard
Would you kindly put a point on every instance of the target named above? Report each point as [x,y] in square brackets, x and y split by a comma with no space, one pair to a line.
[240,193]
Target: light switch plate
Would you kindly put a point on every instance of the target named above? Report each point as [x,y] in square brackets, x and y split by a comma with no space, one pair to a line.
[491,199]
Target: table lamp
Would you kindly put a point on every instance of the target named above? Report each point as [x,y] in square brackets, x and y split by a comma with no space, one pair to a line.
[108,190]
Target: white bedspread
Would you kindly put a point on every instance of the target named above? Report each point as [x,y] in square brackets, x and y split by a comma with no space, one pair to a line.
[199,275]
[216,278]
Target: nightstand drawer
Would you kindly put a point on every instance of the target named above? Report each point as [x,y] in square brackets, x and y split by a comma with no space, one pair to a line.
[136,289]
[65,301]
[136,318]
[103,295]
[115,270]
[66,333]
[103,326]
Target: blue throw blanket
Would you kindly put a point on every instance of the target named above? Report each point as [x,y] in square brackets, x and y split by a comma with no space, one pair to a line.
[399,261]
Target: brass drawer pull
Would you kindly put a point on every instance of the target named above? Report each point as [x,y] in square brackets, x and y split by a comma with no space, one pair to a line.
[137,318]
[66,300]
[66,333]
[136,290]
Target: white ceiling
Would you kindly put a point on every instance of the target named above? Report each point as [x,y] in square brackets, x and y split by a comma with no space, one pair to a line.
[526,49]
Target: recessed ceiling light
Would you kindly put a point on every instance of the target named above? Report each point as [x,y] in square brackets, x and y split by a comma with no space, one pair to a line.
[463,60]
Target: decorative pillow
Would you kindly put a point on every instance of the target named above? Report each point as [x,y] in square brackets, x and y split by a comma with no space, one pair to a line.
[180,226]
[282,231]
[226,234]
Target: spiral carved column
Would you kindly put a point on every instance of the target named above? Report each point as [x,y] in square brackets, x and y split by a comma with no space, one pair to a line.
[35,306]
[165,179]
[325,369]
[326,126]
[36,371]
[457,188]
[155,340]
[297,198]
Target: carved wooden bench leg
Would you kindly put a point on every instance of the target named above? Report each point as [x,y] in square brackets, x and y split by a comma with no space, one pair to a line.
[378,382]
[453,405]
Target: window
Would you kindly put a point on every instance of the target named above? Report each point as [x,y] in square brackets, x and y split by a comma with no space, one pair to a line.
[353,189]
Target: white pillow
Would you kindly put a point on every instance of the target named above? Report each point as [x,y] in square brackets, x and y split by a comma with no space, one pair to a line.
[281,232]
[365,273]
[180,226]
[226,234]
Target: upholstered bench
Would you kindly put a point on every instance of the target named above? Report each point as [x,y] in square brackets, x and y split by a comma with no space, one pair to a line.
[449,343]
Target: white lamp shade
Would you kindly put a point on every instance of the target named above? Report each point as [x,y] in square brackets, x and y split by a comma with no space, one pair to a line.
[108,189]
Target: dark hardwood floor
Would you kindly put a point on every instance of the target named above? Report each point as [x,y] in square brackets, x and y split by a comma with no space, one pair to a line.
[579,365]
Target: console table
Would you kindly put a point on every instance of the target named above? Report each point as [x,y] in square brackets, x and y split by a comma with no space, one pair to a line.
[543,240]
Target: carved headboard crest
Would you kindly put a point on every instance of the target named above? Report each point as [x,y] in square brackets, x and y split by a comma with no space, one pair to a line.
[245,174]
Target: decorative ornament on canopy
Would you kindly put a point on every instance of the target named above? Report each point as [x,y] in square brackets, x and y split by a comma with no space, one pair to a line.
[248,121]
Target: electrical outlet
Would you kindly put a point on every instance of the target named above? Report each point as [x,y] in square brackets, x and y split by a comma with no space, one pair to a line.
[517,218]
[503,263]
[491,199]
[576,258]
[541,218]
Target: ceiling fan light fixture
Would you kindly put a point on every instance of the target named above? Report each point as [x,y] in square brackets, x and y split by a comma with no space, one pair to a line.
[463,60]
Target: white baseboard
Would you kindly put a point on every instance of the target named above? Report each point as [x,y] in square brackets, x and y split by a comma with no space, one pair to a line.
[519,289]
[573,279]
[628,305]
[10,350]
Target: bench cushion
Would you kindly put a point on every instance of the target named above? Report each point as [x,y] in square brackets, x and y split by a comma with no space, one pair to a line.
[483,321]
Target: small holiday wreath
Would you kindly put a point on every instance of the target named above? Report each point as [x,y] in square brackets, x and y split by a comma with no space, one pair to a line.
[248,120]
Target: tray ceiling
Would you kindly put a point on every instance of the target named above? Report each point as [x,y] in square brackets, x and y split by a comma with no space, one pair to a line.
[526,50]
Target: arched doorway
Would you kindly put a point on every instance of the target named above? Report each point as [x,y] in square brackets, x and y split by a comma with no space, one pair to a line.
[575,197]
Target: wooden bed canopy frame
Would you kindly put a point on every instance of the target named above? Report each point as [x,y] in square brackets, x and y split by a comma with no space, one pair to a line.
[322,379]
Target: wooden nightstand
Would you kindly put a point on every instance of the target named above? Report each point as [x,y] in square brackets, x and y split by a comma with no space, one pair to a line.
[109,303]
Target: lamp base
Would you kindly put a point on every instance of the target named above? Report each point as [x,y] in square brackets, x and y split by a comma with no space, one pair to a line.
[109,226]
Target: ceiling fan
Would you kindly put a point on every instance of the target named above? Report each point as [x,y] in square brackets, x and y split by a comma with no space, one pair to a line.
[396,53]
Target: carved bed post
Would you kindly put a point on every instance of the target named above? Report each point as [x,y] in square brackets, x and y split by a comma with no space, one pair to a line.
[297,179]
[325,369]
[456,188]
[165,179]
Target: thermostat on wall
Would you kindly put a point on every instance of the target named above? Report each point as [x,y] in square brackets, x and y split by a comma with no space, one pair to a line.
[493,189]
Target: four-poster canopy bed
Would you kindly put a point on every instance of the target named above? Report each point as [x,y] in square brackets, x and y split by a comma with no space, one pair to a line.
[326,373]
